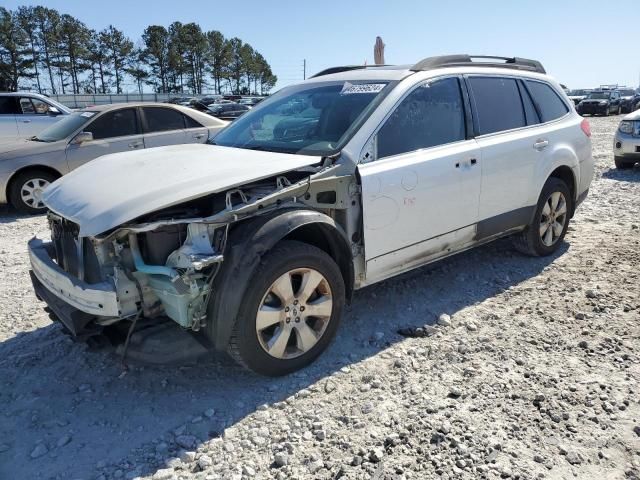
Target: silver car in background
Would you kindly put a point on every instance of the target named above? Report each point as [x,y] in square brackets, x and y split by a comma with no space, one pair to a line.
[25,114]
[626,144]
[28,166]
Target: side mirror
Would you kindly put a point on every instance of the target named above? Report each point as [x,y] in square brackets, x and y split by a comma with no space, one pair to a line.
[82,137]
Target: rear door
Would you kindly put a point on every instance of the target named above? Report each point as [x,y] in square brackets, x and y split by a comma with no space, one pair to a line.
[420,194]
[195,132]
[9,108]
[163,126]
[504,122]
[113,131]
[34,116]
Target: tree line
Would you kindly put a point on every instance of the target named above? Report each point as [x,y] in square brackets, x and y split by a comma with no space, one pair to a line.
[44,50]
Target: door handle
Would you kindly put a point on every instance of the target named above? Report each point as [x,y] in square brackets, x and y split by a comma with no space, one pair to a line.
[135,144]
[467,163]
[540,144]
[26,121]
[198,136]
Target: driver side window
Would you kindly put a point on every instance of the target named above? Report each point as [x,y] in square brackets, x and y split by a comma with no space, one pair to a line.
[431,115]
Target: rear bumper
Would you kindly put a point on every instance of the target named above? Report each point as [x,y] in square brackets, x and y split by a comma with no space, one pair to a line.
[98,299]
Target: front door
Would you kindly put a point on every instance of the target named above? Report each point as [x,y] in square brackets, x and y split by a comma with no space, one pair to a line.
[420,194]
[113,131]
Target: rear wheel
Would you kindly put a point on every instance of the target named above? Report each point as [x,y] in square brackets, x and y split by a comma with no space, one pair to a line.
[290,312]
[25,190]
[546,231]
[623,164]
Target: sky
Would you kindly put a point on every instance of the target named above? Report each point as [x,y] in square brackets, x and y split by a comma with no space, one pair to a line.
[580,42]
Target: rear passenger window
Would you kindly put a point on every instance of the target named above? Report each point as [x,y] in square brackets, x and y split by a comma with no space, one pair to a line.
[433,114]
[548,101]
[161,119]
[190,122]
[498,104]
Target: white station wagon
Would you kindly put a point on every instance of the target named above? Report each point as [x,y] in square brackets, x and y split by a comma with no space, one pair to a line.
[257,240]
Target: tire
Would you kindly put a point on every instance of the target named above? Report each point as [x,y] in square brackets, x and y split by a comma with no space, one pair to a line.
[288,263]
[606,112]
[622,164]
[33,179]
[619,110]
[531,240]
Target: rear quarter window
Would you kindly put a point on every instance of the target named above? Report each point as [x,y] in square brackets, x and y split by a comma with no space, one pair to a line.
[549,103]
[498,104]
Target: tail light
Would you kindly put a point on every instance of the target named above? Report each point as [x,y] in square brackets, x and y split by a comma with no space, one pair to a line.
[586,128]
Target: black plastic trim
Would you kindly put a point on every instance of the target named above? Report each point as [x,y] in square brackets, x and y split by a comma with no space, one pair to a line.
[504,222]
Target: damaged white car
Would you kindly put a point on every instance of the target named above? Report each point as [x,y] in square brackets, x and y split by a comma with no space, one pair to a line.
[358,174]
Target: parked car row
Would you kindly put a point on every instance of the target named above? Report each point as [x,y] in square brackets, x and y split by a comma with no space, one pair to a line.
[235,104]
[28,166]
[606,100]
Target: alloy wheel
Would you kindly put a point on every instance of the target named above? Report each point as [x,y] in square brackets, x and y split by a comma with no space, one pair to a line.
[553,218]
[31,192]
[294,313]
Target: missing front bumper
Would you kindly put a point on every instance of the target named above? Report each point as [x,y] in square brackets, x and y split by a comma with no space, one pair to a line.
[99,299]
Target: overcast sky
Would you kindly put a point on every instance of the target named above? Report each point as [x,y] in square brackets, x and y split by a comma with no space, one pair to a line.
[581,43]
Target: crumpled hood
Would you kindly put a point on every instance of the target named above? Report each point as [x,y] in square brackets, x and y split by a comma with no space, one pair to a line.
[22,148]
[118,188]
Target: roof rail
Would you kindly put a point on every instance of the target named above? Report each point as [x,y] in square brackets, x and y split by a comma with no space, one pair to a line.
[465,60]
[344,68]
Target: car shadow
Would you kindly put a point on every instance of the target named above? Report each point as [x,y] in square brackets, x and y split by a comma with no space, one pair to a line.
[630,175]
[9,215]
[73,412]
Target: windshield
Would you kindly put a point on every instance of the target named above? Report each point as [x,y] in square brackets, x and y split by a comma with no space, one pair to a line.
[627,93]
[64,127]
[599,95]
[311,119]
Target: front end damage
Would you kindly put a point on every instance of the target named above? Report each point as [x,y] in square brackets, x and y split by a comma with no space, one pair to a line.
[164,264]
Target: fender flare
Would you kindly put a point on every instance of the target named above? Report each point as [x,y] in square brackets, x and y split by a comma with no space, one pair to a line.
[246,245]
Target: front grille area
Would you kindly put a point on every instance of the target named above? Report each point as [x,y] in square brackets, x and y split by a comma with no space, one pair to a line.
[64,235]
[74,255]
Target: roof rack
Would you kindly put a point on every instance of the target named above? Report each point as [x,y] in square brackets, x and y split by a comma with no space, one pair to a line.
[517,63]
[344,68]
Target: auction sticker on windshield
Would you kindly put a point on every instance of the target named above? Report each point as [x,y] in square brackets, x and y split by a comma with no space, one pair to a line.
[350,88]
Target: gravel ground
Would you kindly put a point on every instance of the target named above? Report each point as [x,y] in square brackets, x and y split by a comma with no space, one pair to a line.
[531,373]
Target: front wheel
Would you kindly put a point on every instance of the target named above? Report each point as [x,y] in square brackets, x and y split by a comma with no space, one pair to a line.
[290,312]
[25,191]
[544,234]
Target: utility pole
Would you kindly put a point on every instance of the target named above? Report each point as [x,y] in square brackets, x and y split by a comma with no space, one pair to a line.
[304,69]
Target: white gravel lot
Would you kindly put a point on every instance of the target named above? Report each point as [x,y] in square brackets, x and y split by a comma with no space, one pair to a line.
[536,375]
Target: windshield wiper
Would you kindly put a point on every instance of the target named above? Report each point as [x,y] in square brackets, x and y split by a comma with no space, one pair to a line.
[36,139]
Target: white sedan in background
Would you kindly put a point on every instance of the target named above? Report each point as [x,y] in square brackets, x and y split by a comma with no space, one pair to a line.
[28,166]
[25,114]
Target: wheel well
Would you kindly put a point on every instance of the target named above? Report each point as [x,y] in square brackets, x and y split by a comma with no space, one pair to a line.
[565,174]
[331,242]
[42,168]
